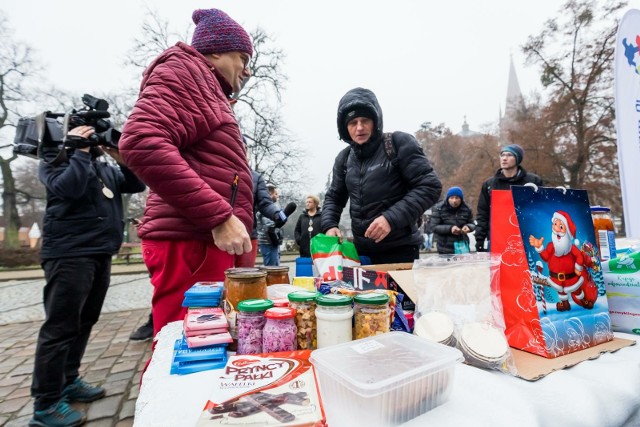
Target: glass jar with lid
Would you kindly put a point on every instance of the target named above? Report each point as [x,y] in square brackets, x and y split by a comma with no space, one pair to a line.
[279,333]
[251,321]
[334,319]
[276,274]
[371,314]
[241,284]
[605,232]
[303,302]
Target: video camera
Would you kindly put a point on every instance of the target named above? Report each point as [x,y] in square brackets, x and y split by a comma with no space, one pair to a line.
[46,131]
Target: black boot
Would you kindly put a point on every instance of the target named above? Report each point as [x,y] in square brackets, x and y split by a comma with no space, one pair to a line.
[144,332]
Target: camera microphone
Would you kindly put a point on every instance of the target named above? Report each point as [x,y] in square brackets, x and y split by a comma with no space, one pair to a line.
[281,216]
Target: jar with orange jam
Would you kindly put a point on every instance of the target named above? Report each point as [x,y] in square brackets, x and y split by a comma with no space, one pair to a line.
[241,284]
[276,275]
[605,232]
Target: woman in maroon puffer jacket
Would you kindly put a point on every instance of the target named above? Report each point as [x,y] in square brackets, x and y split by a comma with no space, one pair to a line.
[183,141]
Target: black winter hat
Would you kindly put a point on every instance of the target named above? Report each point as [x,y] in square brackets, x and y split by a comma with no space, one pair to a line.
[359,111]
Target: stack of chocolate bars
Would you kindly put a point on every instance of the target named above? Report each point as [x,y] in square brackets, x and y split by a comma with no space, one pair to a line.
[203,345]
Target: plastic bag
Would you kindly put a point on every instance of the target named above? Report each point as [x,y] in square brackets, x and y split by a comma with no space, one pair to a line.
[459,305]
[329,256]
[460,247]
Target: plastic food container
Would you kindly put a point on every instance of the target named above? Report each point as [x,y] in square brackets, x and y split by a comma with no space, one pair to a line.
[384,380]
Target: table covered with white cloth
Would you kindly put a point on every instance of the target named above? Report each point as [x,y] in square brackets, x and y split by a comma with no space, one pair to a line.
[604,392]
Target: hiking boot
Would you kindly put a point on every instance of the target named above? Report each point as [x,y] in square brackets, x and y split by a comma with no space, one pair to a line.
[144,332]
[81,391]
[59,414]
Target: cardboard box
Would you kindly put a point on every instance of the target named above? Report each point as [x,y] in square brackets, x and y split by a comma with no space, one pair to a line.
[383,276]
[399,277]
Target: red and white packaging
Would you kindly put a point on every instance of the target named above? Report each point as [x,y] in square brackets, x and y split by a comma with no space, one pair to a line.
[199,319]
[269,389]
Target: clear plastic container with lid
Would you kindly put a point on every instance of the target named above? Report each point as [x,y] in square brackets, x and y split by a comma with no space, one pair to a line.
[303,302]
[279,333]
[251,321]
[334,319]
[605,232]
[371,314]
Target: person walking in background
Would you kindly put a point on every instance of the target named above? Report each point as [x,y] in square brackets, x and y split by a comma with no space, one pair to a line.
[83,228]
[183,140]
[262,204]
[308,225]
[427,230]
[388,180]
[510,173]
[269,234]
[452,221]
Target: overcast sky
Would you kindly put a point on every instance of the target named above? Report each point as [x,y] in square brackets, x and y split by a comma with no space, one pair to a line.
[425,60]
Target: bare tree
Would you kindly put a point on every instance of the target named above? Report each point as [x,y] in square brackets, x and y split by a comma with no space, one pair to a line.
[576,127]
[17,66]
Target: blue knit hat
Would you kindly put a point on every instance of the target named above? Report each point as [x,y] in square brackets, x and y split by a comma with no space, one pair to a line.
[516,150]
[216,32]
[455,191]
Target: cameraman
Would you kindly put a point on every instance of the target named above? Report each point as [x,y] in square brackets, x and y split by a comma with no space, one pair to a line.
[83,228]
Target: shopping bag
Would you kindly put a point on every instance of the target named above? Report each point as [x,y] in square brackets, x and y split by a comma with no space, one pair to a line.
[329,256]
[460,247]
[551,281]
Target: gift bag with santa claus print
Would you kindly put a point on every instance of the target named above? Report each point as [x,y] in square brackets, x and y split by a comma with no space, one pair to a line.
[551,281]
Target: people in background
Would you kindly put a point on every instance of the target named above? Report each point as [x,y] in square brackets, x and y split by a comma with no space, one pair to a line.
[510,173]
[269,233]
[389,183]
[308,225]
[452,221]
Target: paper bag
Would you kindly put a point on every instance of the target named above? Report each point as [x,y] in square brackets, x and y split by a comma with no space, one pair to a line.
[551,281]
[329,256]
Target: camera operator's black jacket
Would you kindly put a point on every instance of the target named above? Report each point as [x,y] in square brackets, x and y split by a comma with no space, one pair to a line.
[80,220]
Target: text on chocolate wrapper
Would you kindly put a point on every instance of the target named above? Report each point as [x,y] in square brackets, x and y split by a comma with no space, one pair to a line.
[256,372]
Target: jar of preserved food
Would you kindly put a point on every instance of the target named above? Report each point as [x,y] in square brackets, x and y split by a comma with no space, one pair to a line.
[251,321]
[279,333]
[371,314]
[303,302]
[334,319]
[276,274]
[605,232]
[241,284]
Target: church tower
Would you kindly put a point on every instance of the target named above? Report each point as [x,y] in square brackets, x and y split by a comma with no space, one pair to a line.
[513,103]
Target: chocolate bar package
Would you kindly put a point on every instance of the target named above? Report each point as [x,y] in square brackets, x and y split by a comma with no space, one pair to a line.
[269,389]
[201,319]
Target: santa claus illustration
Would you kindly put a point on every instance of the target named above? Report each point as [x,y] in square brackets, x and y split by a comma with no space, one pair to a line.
[565,262]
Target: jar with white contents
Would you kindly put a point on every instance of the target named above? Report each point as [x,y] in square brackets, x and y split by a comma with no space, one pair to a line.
[334,317]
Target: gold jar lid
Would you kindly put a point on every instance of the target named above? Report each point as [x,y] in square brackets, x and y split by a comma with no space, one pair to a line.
[244,273]
[274,268]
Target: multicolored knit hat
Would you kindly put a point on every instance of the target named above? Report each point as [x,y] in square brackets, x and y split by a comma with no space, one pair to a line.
[216,32]
[516,150]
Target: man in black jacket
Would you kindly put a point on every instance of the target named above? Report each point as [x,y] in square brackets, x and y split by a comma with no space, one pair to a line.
[510,173]
[83,229]
[388,191]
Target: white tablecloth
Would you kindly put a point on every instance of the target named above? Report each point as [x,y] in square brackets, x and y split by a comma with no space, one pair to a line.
[601,393]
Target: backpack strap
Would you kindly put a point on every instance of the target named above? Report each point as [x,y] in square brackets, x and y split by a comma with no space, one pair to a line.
[389,148]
